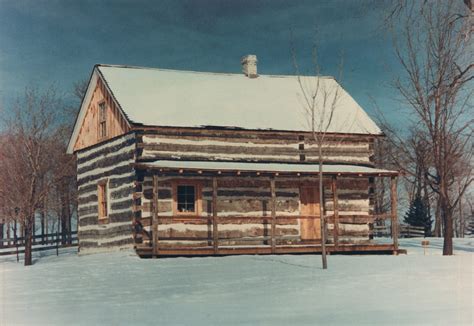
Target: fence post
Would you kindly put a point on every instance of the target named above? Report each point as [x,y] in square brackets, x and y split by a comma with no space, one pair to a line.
[57,236]
[393,204]
[15,240]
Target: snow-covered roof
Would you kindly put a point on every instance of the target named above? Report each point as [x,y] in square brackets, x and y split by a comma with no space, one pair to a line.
[266,167]
[162,97]
[174,98]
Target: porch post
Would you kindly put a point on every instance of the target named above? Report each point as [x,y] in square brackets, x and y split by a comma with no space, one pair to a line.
[393,204]
[336,211]
[272,188]
[215,232]
[155,216]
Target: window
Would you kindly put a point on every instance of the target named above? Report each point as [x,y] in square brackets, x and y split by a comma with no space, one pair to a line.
[102,120]
[102,200]
[186,198]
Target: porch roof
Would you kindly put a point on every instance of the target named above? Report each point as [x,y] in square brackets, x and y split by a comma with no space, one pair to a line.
[284,168]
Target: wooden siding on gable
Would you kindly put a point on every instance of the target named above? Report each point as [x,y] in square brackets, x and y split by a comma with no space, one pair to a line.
[89,131]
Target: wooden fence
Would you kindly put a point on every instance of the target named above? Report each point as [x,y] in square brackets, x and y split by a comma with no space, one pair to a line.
[408,231]
[16,245]
[404,231]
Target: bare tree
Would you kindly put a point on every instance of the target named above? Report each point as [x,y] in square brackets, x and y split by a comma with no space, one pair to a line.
[320,97]
[28,166]
[80,88]
[436,59]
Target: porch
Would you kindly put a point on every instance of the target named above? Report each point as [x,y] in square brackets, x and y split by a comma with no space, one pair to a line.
[215,238]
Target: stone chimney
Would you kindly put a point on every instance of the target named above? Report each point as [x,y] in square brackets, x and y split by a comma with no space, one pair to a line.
[249,65]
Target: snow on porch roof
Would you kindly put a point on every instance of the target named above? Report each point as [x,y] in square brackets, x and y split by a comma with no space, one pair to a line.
[265,167]
[159,97]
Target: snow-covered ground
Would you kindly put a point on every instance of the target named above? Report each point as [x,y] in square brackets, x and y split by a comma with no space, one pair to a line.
[121,289]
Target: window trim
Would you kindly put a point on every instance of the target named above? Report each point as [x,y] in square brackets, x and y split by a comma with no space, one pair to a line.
[100,121]
[197,198]
[103,192]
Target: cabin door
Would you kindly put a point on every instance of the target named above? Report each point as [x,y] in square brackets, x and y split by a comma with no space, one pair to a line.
[309,199]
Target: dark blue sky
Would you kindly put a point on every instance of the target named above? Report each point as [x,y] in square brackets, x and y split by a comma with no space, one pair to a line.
[58,41]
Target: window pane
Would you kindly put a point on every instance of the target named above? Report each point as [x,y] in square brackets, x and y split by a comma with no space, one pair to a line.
[102,111]
[190,206]
[186,198]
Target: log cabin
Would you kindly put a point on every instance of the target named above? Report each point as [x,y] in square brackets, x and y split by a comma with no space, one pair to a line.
[184,163]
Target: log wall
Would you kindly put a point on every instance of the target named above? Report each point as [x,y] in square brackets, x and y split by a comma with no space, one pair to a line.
[110,161]
[250,197]
[251,146]
[131,192]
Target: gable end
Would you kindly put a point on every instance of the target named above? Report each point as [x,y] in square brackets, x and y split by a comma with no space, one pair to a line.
[92,126]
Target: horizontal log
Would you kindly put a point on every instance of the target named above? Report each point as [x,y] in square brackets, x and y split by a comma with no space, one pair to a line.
[124,204]
[352,219]
[87,210]
[117,243]
[100,175]
[123,193]
[257,238]
[90,220]
[145,251]
[121,217]
[104,233]
[115,182]
[246,135]
[107,161]
[88,199]
[106,149]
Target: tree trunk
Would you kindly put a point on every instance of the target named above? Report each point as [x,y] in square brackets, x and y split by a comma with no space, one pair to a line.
[426,199]
[2,230]
[64,213]
[57,237]
[447,218]
[437,229]
[28,228]
[456,226]
[8,233]
[42,226]
[321,208]
[68,216]
[448,238]
[22,234]
[63,226]
[462,223]
[15,239]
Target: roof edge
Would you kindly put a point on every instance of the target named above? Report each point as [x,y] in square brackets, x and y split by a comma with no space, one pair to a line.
[144,127]
[202,72]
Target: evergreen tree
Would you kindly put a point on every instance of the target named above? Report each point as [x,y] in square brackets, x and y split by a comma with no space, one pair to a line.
[418,215]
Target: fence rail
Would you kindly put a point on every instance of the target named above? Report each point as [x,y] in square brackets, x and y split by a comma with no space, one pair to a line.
[12,246]
[404,231]
[408,231]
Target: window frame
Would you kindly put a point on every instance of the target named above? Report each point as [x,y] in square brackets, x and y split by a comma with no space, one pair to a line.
[197,198]
[102,119]
[103,197]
